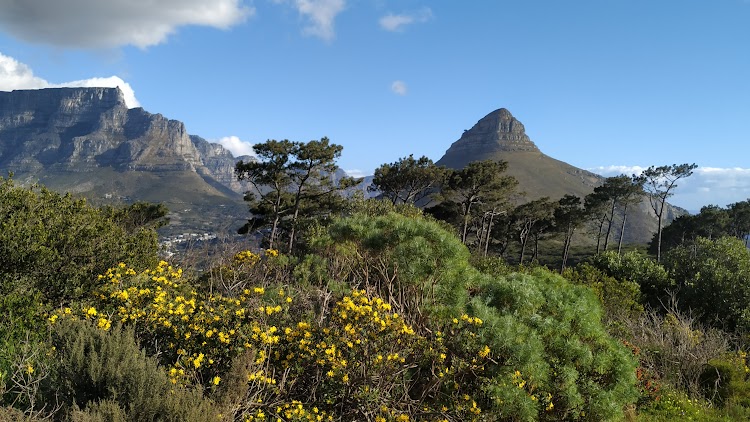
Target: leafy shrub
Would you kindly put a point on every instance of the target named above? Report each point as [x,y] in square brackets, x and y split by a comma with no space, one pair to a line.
[654,280]
[551,332]
[551,356]
[107,369]
[727,379]
[714,276]
[620,299]
[57,245]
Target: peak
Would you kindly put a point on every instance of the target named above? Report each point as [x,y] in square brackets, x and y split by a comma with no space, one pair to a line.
[497,131]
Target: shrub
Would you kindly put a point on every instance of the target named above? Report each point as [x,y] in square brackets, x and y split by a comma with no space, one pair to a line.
[714,276]
[107,370]
[654,280]
[620,299]
[551,332]
[57,245]
[676,348]
[727,379]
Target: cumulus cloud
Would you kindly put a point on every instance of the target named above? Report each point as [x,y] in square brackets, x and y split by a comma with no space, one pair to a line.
[707,185]
[395,23]
[17,75]
[320,14]
[110,82]
[399,87]
[236,146]
[356,173]
[112,23]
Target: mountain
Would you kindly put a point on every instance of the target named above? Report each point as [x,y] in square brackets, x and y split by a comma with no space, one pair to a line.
[500,136]
[86,141]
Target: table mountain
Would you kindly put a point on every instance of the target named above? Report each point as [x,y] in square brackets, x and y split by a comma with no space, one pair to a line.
[87,141]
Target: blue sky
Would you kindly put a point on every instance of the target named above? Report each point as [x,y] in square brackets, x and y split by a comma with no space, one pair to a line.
[606,85]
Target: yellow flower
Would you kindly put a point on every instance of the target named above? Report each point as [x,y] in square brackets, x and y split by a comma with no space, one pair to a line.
[29,369]
[484,352]
[216,380]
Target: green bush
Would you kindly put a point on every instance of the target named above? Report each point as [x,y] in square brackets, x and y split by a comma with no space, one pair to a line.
[714,280]
[727,380]
[653,279]
[551,333]
[105,369]
[552,358]
[57,245]
[620,299]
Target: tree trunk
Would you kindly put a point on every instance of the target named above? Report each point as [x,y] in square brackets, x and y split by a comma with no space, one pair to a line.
[622,229]
[658,232]
[599,235]
[489,233]
[566,247]
[609,225]
[465,231]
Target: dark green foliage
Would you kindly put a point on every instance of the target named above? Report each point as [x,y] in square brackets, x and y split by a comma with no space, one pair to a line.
[620,299]
[714,280]
[56,245]
[530,221]
[479,187]
[292,181]
[727,379]
[407,180]
[653,279]
[107,370]
[140,215]
[658,184]
[551,331]
[569,214]
[538,324]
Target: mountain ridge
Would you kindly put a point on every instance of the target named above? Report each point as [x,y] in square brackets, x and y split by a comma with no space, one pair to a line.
[87,141]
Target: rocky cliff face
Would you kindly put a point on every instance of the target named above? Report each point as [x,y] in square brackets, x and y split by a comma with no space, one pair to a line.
[497,131]
[82,129]
[86,141]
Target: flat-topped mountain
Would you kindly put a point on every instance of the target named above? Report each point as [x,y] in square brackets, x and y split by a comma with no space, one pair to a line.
[500,136]
[87,141]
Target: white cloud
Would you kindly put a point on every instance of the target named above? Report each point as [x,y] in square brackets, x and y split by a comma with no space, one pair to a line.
[608,171]
[321,15]
[113,23]
[236,146]
[17,75]
[356,173]
[707,185]
[395,23]
[399,87]
[111,82]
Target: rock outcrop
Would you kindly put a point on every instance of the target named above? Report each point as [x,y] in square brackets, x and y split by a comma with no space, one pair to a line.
[497,131]
[87,141]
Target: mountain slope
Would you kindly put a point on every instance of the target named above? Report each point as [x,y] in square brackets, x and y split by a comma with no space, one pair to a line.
[86,141]
[500,136]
